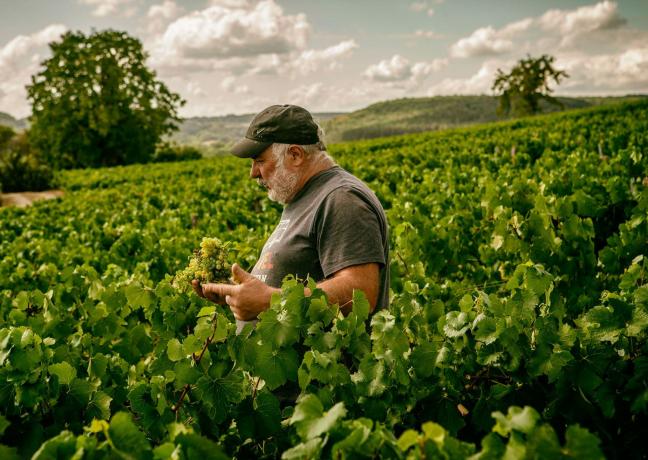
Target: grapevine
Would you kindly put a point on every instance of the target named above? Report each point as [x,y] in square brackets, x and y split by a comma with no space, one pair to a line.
[518,320]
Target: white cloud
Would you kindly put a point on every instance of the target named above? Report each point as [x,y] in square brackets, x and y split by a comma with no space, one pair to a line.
[603,15]
[242,38]
[395,69]
[22,45]
[310,61]
[399,70]
[479,83]
[225,31]
[295,63]
[111,7]
[626,70]
[568,25]
[19,59]
[514,28]
[159,16]
[422,70]
[483,42]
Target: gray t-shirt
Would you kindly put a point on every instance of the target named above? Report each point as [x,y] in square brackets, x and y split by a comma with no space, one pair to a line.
[335,221]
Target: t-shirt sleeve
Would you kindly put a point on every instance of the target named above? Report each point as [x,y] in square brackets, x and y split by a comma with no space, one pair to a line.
[348,232]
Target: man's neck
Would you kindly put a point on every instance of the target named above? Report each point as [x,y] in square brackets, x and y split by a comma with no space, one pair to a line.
[315,167]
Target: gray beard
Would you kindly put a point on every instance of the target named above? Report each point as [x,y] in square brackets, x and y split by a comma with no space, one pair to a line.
[282,185]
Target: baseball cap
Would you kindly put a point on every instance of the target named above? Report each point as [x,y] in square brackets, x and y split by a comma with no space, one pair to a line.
[286,124]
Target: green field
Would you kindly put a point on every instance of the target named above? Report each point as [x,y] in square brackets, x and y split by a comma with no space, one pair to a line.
[517,326]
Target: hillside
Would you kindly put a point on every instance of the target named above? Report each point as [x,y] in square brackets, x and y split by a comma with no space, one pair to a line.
[399,116]
[215,134]
[8,120]
[412,115]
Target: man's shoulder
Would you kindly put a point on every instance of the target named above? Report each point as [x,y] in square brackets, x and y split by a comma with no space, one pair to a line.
[342,182]
[328,183]
[352,198]
[332,189]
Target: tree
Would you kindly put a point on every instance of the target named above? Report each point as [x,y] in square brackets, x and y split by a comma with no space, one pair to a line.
[20,168]
[96,103]
[6,134]
[527,85]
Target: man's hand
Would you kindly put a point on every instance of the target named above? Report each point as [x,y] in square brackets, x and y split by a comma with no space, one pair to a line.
[246,299]
[198,289]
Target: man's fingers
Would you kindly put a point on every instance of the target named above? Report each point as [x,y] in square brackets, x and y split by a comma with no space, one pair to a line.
[220,290]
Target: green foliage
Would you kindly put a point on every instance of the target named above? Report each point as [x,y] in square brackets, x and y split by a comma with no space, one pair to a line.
[21,169]
[172,152]
[6,134]
[517,328]
[527,84]
[95,103]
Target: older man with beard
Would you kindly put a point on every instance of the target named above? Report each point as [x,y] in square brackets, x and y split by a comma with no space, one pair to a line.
[333,228]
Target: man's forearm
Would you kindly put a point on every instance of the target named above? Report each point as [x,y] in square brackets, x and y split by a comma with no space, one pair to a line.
[252,296]
[339,288]
[339,291]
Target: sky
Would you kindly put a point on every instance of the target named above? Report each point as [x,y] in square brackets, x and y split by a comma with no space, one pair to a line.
[239,56]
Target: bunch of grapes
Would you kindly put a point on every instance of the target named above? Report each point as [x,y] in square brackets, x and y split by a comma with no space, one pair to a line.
[207,265]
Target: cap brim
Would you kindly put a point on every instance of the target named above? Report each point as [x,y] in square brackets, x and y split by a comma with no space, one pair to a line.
[248,148]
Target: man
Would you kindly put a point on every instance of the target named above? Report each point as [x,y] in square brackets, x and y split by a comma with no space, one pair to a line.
[333,228]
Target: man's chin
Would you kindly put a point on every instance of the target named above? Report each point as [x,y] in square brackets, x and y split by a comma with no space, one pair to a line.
[273,197]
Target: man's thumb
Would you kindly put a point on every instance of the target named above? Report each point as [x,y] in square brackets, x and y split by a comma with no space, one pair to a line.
[239,274]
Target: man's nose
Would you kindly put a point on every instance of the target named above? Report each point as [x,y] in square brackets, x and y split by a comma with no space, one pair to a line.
[254,172]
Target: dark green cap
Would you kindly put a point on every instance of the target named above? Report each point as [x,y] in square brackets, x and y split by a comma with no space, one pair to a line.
[286,124]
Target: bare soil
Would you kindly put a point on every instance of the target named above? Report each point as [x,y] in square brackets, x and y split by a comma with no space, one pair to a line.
[23,199]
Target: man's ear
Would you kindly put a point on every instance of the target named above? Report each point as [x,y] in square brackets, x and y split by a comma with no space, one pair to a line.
[296,155]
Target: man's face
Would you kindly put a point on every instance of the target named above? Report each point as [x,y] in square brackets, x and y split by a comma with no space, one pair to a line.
[277,177]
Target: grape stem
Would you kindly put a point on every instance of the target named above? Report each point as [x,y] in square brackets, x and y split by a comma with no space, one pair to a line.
[177,406]
[403,262]
[256,386]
